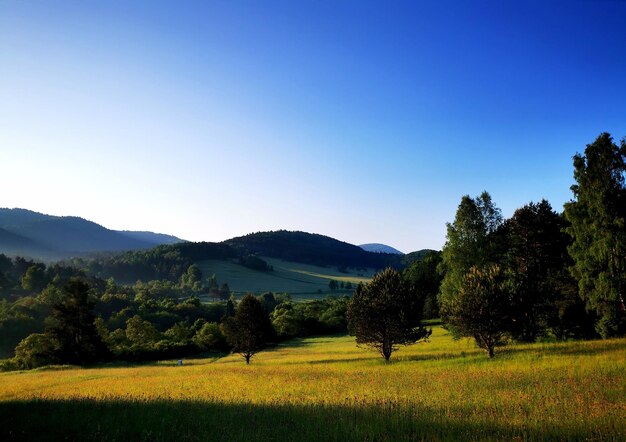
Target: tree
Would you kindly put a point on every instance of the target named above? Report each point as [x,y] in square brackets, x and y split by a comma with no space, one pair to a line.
[481,308]
[210,337]
[34,351]
[35,278]
[333,285]
[287,320]
[224,292]
[250,329]
[386,313]
[179,333]
[423,275]
[598,229]
[269,301]
[470,241]
[230,307]
[141,332]
[72,326]
[536,261]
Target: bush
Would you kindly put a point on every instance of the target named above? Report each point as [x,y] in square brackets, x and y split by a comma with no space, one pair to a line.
[34,351]
[210,337]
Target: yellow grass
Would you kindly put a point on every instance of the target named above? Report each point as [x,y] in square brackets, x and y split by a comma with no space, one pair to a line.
[575,389]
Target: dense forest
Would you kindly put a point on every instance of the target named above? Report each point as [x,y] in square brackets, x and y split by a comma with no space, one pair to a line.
[539,275]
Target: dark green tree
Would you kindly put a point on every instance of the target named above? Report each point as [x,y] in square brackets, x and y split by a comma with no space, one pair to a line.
[536,261]
[598,216]
[424,276]
[386,313]
[269,301]
[72,326]
[249,331]
[230,308]
[471,241]
[481,310]
[224,292]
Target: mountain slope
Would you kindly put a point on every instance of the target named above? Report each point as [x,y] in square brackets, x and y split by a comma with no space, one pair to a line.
[52,237]
[380,248]
[309,248]
[151,237]
[14,244]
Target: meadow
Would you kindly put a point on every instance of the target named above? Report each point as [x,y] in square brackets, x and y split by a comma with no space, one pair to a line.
[327,388]
[301,281]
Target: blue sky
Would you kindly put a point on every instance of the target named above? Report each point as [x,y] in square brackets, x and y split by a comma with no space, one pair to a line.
[365,121]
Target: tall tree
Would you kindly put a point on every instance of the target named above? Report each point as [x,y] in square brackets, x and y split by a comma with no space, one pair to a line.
[470,241]
[598,228]
[482,307]
[386,313]
[536,260]
[72,326]
[249,331]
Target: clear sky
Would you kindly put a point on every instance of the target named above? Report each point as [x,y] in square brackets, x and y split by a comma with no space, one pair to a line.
[365,121]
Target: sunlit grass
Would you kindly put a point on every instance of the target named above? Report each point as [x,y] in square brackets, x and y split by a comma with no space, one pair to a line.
[442,388]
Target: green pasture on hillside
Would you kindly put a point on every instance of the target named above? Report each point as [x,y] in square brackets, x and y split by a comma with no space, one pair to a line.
[301,281]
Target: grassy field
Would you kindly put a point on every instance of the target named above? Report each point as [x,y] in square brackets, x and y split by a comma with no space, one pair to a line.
[301,281]
[328,389]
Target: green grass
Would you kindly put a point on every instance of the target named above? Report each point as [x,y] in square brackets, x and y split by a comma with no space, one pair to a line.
[326,388]
[301,281]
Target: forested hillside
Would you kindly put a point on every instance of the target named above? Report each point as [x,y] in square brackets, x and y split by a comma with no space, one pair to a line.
[27,233]
[310,248]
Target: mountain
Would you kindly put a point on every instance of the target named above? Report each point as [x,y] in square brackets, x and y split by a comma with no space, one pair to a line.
[37,235]
[309,248]
[151,237]
[419,255]
[380,248]
[14,244]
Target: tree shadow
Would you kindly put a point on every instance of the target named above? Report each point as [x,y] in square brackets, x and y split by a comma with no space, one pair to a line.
[576,348]
[136,420]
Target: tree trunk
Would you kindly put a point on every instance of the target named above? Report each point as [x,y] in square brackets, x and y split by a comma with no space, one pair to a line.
[386,349]
[247,359]
[490,350]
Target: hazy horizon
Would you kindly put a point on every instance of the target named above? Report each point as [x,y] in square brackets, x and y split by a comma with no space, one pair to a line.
[363,121]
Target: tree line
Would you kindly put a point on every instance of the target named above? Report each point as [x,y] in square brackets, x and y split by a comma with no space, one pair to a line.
[538,274]
[59,315]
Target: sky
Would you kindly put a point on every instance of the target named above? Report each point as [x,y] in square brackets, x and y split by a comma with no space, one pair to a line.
[364,121]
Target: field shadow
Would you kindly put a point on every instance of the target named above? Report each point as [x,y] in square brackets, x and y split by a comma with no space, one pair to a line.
[91,420]
[580,348]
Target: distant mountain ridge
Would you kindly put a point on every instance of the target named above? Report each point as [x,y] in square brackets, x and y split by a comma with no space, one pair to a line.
[37,235]
[380,248]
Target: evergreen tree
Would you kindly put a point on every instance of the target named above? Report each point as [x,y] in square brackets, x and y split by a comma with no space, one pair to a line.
[249,331]
[536,261]
[72,327]
[386,313]
[597,216]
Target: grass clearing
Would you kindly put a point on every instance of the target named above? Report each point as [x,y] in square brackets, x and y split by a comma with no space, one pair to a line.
[328,389]
[301,281]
